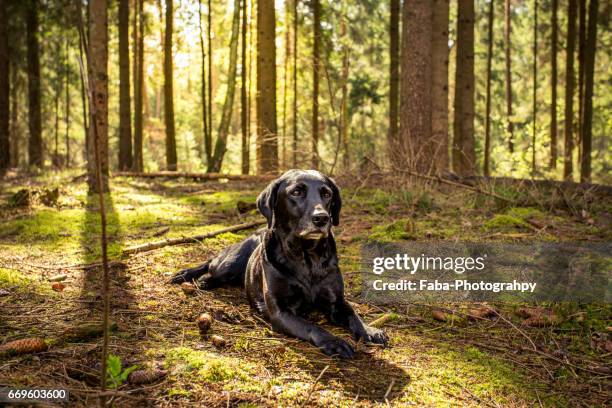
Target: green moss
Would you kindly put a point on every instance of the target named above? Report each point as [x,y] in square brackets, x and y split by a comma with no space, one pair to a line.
[13,278]
[504,222]
[178,392]
[444,373]
[524,213]
[395,231]
[208,366]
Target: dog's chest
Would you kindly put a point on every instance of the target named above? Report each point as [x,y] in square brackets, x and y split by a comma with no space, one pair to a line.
[307,290]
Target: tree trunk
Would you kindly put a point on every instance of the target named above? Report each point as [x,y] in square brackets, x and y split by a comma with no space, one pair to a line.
[589,73]
[125,114]
[295,70]
[5,150]
[35,143]
[15,130]
[581,65]
[487,149]
[287,56]
[267,143]
[98,80]
[553,86]
[568,167]
[210,98]
[67,103]
[84,98]
[244,107]
[316,11]
[228,105]
[507,31]
[393,142]
[56,98]
[464,156]
[344,116]
[169,91]
[138,87]
[439,103]
[206,130]
[535,89]
[416,85]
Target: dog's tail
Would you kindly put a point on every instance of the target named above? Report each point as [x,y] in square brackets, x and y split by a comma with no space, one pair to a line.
[190,274]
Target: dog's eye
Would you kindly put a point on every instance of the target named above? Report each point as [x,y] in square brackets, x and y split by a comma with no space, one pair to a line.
[297,192]
[326,194]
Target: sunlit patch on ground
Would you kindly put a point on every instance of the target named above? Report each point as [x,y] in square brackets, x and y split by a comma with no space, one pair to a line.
[430,363]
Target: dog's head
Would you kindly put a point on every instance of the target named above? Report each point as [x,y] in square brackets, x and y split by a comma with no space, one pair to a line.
[303,203]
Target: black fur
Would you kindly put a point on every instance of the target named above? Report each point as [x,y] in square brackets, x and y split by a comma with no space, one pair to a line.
[291,267]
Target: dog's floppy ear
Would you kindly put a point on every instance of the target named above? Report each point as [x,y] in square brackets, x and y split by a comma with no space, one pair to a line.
[266,201]
[336,204]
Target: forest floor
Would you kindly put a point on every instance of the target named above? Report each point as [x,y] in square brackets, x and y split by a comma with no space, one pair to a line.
[489,362]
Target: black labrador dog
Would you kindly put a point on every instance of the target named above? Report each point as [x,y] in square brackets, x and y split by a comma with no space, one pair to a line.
[291,267]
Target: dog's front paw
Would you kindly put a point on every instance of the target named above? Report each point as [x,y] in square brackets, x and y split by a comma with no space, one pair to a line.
[335,346]
[374,335]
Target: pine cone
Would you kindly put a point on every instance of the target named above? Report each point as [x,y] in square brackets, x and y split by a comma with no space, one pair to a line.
[146,376]
[23,346]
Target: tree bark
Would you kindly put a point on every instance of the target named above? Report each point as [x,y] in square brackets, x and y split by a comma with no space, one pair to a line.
[416,85]
[487,149]
[316,42]
[244,107]
[35,143]
[287,56]
[5,149]
[125,112]
[98,79]
[582,6]
[84,96]
[171,159]
[553,85]
[267,143]
[228,105]
[15,129]
[464,156]
[589,73]
[210,98]
[206,131]
[295,70]
[568,167]
[393,142]
[138,86]
[56,98]
[507,45]
[344,116]
[439,114]
[67,103]
[535,89]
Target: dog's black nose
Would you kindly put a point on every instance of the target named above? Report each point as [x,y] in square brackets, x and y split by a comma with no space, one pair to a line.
[320,219]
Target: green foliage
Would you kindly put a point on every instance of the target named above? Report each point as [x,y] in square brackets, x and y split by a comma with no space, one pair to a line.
[115,373]
[394,231]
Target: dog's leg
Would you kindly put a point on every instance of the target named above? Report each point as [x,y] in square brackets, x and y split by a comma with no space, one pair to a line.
[190,274]
[290,324]
[343,314]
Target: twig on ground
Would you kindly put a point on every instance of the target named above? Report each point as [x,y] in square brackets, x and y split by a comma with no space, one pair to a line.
[314,385]
[186,240]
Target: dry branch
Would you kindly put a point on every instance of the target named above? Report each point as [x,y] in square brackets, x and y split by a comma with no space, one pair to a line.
[445,181]
[187,240]
[197,176]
